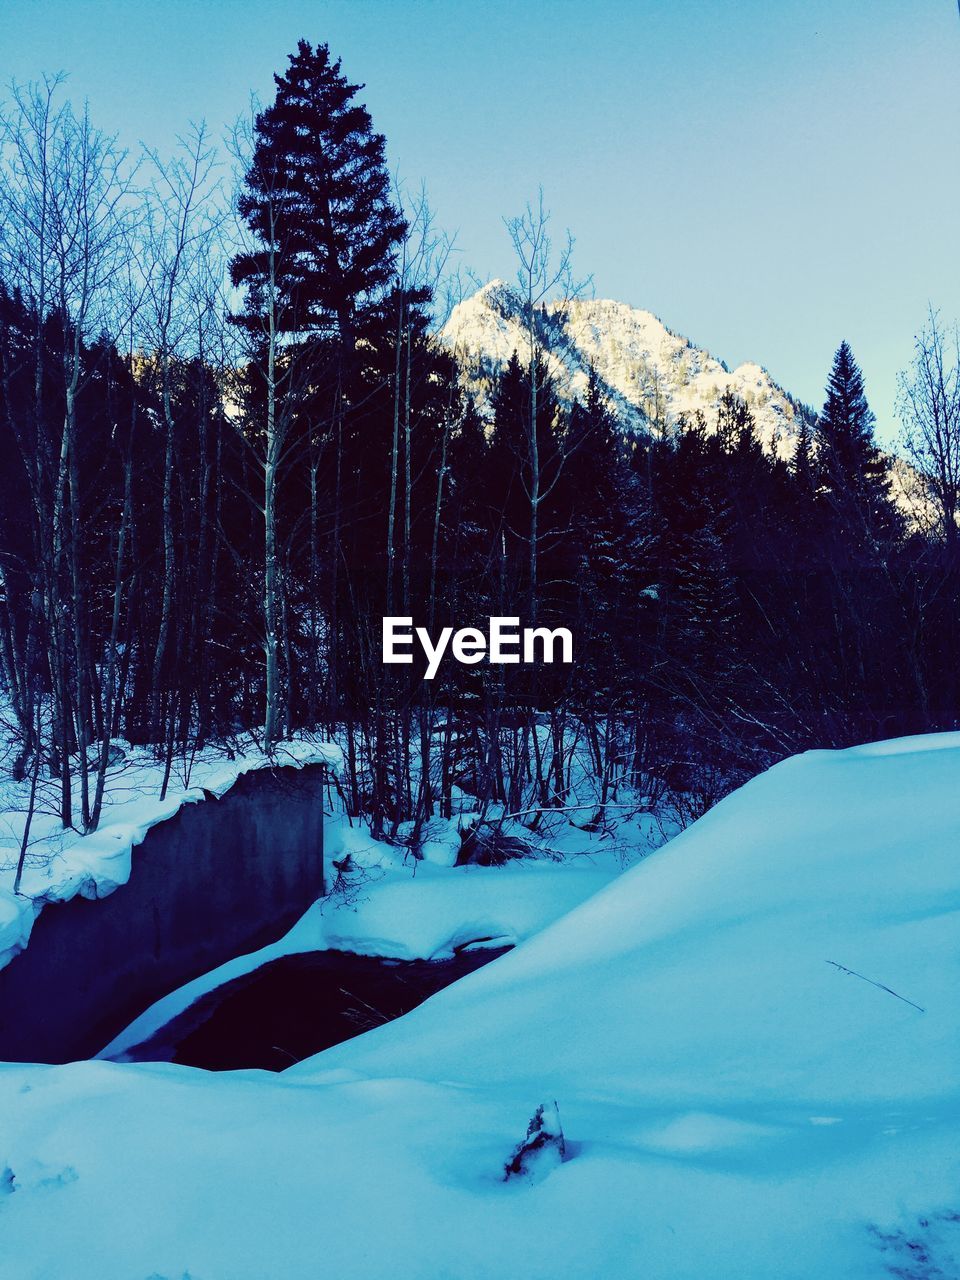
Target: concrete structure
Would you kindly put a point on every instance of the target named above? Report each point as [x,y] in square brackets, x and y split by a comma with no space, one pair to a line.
[221,878]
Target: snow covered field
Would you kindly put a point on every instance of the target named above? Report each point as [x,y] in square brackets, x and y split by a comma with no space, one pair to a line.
[752,1037]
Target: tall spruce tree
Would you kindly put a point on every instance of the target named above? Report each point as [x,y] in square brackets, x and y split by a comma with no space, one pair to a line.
[853,472]
[802,464]
[324,236]
[318,191]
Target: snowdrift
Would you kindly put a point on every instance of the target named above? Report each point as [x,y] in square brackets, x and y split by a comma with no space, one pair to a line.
[710,969]
[752,1038]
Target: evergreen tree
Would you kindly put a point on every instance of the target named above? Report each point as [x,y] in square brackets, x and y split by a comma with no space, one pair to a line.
[318,193]
[602,554]
[325,236]
[802,464]
[852,614]
[853,471]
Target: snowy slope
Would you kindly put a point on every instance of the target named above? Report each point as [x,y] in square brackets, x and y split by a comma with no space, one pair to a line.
[714,952]
[735,1106]
[649,374]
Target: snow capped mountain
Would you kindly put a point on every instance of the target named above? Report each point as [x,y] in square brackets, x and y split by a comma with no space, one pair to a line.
[649,375]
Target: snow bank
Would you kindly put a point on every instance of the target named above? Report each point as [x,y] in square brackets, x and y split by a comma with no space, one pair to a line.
[710,962]
[62,864]
[733,1104]
[413,911]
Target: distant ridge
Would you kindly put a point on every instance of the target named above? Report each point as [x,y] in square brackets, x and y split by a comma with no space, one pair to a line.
[650,376]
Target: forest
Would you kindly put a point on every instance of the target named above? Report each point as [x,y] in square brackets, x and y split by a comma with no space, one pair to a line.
[232,444]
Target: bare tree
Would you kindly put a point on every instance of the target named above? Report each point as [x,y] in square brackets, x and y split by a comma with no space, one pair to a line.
[542,273]
[64,204]
[929,404]
[181,230]
[424,254]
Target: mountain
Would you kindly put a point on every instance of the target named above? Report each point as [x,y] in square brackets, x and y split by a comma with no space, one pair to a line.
[649,374]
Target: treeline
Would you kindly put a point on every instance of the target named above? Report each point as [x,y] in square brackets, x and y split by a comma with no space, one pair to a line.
[231,444]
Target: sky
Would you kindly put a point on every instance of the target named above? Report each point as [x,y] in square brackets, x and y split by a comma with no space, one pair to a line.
[768,176]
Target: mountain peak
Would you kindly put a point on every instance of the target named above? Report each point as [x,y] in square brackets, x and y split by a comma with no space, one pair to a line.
[650,376]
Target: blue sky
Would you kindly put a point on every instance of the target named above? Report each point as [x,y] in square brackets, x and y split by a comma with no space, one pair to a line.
[769,177]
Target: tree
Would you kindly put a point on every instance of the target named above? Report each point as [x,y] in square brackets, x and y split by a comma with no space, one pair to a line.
[929,406]
[860,619]
[540,272]
[324,237]
[317,199]
[180,238]
[803,462]
[64,189]
[853,472]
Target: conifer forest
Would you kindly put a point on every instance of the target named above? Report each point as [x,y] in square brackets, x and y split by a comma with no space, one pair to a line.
[235,435]
[479,640]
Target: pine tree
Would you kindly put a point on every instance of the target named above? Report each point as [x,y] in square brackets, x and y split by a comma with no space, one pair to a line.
[593,487]
[602,557]
[853,471]
[318,192]
[325,236]
[802,463]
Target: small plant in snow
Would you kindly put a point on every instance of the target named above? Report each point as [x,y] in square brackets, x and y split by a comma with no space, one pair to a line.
[926,1249]
[542,1149]
[488,845]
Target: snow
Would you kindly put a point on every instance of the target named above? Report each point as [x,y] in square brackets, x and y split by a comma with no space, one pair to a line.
[439,840]
[407,911]
[909,746]
[848,857]
[733,1105]
[647,371]
[648,374]
[63,864]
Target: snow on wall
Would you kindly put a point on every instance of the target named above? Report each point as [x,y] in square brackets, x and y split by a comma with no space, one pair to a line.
[214,881]
[62,865]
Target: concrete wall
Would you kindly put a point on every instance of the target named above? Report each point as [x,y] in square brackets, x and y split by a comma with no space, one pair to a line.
[221,878]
